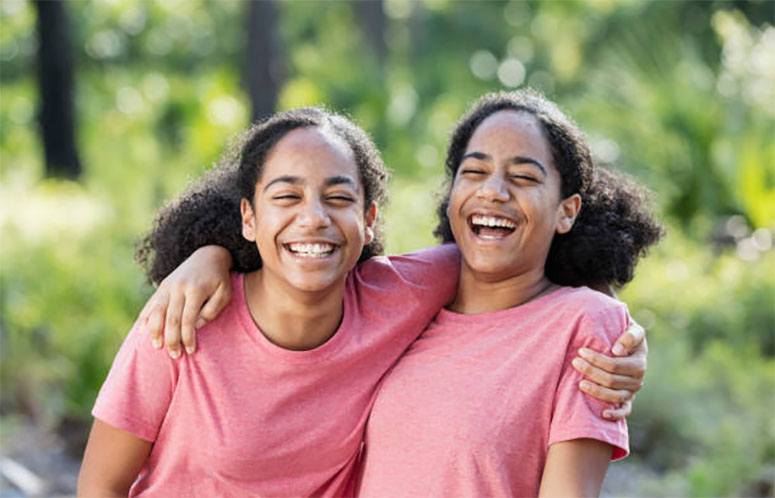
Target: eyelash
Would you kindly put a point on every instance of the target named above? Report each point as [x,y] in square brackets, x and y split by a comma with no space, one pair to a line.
[513,177]
[340,198]
[335,198]
[523,177]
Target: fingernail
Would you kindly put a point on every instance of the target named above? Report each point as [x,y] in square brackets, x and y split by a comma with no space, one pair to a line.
[584,385]
[607,414]
[618,349]
[578,363]
[190,349]
[174,353]
[585,353]
[156,343]
[200,323]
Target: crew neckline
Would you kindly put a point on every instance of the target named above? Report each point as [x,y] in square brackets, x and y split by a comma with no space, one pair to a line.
[325,350]
[449,316]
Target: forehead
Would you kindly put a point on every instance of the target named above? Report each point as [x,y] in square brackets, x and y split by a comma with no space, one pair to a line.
[311,153]
[511,133]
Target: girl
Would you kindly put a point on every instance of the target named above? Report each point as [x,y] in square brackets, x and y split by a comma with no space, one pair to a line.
[485,402]
[279,396]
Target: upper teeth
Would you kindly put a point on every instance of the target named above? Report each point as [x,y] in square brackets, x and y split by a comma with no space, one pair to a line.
[311,248]
[492,221]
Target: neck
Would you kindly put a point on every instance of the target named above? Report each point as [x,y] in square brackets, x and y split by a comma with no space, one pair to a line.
[482,293]
[290,318]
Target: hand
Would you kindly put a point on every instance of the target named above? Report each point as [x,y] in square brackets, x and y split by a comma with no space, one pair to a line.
[192,295]
[615,379]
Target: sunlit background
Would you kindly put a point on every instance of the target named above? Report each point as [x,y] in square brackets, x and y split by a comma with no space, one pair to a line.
[679,94]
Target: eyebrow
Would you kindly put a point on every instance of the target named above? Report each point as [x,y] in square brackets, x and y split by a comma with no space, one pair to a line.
[330,181]
[513,160]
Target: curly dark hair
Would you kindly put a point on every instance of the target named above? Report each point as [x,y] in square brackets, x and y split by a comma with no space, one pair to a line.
[208,212]
[614,227]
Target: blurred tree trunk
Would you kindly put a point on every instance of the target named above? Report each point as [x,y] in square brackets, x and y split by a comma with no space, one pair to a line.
[371,17]
[55,80]
[264,68]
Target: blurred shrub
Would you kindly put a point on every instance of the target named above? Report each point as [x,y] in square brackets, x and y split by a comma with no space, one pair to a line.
[705,414]
[69,294]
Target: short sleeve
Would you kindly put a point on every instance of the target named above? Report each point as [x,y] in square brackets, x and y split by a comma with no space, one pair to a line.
[433,272]
[137,393]
[577,415]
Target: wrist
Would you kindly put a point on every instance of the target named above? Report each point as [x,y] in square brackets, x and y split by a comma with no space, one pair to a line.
[218,255]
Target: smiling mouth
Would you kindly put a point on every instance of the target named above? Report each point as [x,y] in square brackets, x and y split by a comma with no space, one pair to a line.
[316,250]
[491,227]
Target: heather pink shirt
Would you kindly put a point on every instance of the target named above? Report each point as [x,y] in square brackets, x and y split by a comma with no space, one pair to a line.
[243,417]
[473,405]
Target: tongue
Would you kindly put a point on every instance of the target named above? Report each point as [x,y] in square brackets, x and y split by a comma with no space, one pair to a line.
[494,232]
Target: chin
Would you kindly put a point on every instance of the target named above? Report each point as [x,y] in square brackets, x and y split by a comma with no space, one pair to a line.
[489,266]
[307,284]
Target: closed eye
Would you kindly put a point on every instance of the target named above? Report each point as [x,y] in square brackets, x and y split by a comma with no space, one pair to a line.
[524,178]
[285,197]
[340,198]
[469,171]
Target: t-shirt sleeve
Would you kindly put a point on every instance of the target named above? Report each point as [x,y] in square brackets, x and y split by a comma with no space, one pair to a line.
[433,273]
[577,415]
[137,393]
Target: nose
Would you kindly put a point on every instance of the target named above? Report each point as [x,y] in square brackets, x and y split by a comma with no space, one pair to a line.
[313,215]
[494,189]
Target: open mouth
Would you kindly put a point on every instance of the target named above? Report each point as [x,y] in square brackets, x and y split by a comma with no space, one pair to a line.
[491,227]
[317,250]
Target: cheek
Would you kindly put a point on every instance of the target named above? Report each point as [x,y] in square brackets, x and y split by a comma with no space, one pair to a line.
[457,197]
[539,206]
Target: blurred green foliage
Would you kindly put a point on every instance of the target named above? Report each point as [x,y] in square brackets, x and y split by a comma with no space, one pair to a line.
[679,94]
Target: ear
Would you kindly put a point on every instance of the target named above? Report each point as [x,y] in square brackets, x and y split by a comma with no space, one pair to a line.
[566,213]
[370,219]
[248,220]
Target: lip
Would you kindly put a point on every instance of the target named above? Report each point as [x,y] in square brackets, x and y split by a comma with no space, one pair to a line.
[312,241]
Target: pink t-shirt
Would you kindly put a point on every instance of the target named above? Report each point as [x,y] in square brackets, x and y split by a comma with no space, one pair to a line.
[244,417]
[473,405]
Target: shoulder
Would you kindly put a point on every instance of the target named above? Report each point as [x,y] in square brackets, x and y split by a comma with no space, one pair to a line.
[417,267]
[230,322]
[588,301]
[596,315]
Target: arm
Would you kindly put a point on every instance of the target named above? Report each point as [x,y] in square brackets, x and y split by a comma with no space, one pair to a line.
[192,295]
[575,468]
[181,253]
[112,460]
[615,379]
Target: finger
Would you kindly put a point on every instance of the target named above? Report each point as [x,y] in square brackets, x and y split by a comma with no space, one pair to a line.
[614,396]
[154,324]
[630,366]
[619,412]
[215,304]
[172,323]
[629,340]
[605,379]
[146,311]
[191,308]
